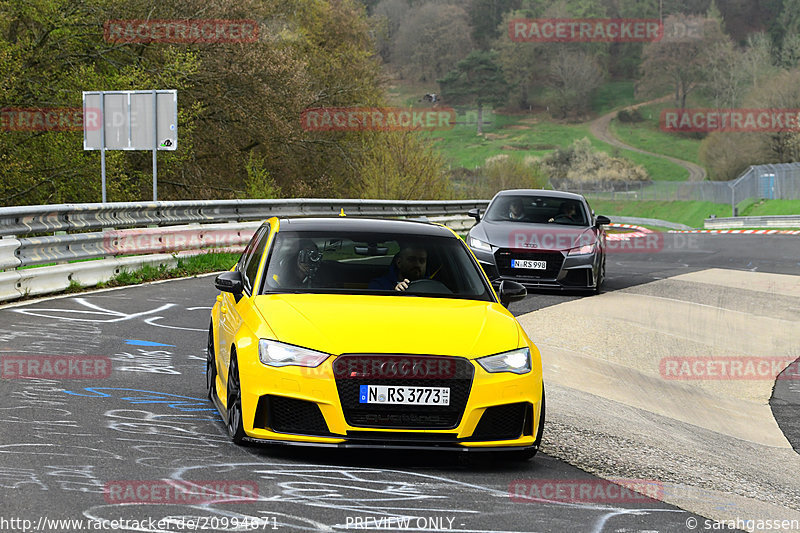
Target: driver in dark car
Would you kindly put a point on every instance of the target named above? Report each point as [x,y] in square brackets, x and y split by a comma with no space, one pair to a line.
[408,265]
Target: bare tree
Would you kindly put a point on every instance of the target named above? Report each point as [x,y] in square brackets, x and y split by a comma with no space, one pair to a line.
[573,75]
[757,58]
[388,15]
[725,81]
[679,63]
[433,39]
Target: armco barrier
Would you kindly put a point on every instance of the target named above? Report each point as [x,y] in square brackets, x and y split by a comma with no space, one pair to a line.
[28,220]
[126,236]
[770,221]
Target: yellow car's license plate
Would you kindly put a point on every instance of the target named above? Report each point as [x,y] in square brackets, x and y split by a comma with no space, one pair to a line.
[389,394]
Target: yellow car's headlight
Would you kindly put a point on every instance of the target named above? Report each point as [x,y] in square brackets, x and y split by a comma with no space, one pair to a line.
[274,353]
[516,361]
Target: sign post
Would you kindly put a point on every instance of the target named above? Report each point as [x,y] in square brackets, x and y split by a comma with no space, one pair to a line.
[131,120]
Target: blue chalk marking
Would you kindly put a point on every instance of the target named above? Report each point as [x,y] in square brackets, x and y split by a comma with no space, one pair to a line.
[139,397]
[134,342]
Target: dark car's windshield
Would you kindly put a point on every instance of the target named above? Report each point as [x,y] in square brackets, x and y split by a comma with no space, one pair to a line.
[537,209]
[372,263]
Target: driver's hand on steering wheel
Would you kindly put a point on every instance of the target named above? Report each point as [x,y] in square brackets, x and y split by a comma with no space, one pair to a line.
[402,285]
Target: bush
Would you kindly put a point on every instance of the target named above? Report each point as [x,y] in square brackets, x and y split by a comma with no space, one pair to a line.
[498,173]
[581,165]
[631,116]
[399,166]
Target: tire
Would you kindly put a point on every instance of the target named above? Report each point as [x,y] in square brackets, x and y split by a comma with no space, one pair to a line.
[234,401]
[211,365]
[601,277]
[530,453]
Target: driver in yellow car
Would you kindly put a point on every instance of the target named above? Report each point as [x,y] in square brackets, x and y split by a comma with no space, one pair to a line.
[408,265]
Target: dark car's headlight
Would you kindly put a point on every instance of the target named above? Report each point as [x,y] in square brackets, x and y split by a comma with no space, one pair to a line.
[516,361]
[480,245]
[583,250]
[274,353]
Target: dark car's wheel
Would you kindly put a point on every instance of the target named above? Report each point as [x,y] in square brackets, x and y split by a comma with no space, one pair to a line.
[235,427]
[601,277]
[531,452]
[211,365]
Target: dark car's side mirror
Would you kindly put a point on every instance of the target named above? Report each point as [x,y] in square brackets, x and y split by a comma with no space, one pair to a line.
[230,282]
[475,213]
[600,220]
[511,291]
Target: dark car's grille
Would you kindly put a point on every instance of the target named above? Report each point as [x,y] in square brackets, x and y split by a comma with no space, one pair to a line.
[290,415]
[502,422]
[503,258]
[406,416]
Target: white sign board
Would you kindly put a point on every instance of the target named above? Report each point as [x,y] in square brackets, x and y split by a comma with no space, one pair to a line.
[130,120]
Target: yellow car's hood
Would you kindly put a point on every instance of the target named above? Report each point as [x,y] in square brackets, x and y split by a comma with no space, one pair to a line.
[339,324]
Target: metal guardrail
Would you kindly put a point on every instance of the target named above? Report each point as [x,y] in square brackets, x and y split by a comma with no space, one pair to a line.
[27,220]
[769,221]
[158,233]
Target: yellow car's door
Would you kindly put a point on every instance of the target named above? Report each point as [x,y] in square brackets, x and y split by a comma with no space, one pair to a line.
[233,307]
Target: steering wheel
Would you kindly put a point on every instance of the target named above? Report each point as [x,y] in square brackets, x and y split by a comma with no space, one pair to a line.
[562,219]
[428,286]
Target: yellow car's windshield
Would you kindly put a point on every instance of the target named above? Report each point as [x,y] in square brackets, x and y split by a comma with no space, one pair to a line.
[372,263]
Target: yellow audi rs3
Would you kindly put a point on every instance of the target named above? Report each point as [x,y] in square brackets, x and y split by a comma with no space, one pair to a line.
[354,332]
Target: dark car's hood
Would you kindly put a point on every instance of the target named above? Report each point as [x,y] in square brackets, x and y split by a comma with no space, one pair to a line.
[523,235]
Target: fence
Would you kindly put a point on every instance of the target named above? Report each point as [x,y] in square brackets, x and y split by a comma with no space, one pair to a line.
[771,182]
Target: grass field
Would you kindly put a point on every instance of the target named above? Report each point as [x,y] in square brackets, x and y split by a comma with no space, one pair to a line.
[612,95]
[692,213]
[536,134]
[770,207]
[647,135]
[689,213]
[531,135]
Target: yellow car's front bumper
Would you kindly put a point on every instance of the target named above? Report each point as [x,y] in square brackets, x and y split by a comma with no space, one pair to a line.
[300,395]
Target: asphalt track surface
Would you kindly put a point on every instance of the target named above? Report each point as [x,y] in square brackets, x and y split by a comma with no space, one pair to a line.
[63,441]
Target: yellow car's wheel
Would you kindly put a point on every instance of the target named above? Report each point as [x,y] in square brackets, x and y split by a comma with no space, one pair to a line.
[235,427]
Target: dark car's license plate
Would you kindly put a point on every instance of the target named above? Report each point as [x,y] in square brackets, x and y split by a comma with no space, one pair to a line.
[528,263]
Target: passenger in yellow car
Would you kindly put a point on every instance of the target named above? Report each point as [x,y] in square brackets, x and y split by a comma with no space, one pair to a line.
[407,266]
[298,265]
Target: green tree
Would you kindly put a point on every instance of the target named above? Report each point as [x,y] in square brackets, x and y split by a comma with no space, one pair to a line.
[476,80]
[238,102]
[486,17]
[400,166]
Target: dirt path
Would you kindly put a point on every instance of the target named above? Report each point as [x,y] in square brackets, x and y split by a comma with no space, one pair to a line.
[599,128]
